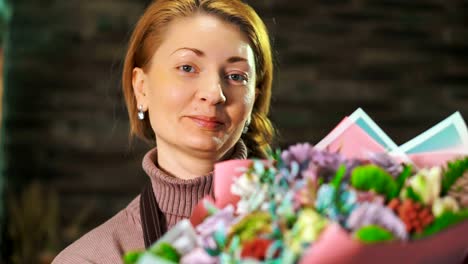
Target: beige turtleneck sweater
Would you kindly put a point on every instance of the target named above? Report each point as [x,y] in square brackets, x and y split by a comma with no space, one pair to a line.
[122,233]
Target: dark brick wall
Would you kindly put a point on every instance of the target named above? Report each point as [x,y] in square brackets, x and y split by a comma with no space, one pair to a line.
[405,62]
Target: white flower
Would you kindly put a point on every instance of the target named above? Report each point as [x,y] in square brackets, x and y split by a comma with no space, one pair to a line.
[445,204]
[427,184]
[244,185]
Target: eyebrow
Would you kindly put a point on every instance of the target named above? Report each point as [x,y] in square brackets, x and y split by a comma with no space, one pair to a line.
[196,51]
[236,59]
[202,54]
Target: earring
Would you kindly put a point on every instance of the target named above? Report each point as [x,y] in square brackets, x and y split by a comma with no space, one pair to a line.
[141,114]
[246,127]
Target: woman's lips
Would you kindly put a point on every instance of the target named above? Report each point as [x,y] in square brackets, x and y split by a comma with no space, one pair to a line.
[210,123]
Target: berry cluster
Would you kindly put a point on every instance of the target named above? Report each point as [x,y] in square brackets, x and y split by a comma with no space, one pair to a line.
[413,214]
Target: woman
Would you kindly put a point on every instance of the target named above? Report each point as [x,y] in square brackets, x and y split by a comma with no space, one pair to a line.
[197,81]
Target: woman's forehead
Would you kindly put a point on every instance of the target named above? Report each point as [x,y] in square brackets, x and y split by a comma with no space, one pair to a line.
[208,35]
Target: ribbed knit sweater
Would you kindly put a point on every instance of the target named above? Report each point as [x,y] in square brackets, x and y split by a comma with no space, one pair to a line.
[122,233]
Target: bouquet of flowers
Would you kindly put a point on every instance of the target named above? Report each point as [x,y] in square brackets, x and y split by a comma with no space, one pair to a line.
[331,203]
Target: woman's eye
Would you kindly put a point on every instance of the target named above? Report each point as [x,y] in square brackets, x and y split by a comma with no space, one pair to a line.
[187,68]
[237,78]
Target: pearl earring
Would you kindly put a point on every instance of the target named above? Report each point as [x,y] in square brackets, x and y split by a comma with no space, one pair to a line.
[246,127]
[141,114]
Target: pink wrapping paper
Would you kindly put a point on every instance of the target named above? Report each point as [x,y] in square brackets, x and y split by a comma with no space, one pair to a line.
[436,158]
[353,142]
[224,174]
[336,246]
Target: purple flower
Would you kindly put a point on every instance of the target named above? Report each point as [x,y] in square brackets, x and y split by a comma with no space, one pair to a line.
[377,214]
[329,162]
[314,162]
[387,163]
[221,219]
[299,153]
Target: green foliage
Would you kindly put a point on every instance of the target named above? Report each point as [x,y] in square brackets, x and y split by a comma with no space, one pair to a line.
[251,225]
[132,257]
[166,251]
[412,195]
[210,207]
[162,250]
[443,221]
[220,238]
[454,171]
[401,179]
[275,155]
[372,177]
[340,173]
[373,234]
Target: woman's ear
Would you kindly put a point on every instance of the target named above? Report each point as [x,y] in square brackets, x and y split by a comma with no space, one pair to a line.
[140,87]
[257,93]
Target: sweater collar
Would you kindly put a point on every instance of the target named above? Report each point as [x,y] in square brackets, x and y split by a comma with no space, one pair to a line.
[177,196]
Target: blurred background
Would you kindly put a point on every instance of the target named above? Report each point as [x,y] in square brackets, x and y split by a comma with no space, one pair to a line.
[66,161]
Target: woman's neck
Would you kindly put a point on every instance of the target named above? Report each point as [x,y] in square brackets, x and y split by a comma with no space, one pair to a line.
[184,165]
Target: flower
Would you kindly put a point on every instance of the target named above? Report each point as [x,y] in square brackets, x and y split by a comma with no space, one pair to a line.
[287,202]
[221,220]
[251,226]
[387,163]
[370,196]
[307,229]
[426,184]
[336,205]
[445,204]
[245,185]
[199,256]
[256,248]
[329,162]
[299,153]
[414,215]
[305,195]
[379,215]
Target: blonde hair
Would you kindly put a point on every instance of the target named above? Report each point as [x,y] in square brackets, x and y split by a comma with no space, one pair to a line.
[148,35]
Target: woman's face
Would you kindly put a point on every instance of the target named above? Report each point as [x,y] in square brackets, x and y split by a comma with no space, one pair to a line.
[200,87]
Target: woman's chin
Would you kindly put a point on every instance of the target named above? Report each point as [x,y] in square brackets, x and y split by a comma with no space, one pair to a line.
[205,143]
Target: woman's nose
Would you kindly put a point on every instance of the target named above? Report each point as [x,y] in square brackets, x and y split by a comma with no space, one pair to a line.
[211,91]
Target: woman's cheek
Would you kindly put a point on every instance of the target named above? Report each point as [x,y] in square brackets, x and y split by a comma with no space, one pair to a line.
[249,98]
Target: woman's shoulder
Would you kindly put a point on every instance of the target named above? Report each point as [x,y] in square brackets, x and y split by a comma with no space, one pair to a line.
[109,241]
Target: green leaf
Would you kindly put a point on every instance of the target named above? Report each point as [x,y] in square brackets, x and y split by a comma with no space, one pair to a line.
[320,181]
[213,252]
[210,207]
[454,171]
[275,156]
[444,221]
[132,257]
[401,179]
[340,173]
[412,195]
[273,249]
[259,167]
[235,244]
[220,238]
[166,251]
[373,234]
[371,177]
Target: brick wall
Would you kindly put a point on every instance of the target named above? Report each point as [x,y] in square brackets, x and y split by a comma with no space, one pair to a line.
[404,62]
